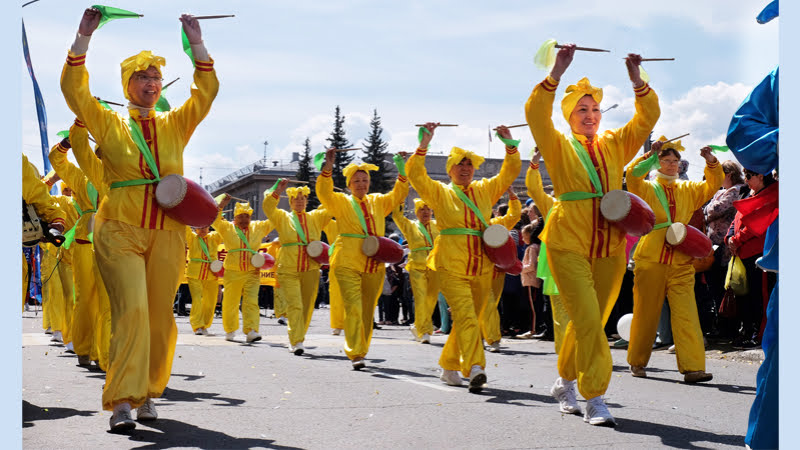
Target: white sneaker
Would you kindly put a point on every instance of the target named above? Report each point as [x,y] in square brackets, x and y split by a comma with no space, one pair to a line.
[597,413]
[564,392]
[57,337]
[253,336]
[200,331]
[359,364]
[297,349]
[525,335]
[425,339]
[48,331]
[494,347]
[70,348]
[205,331]
[477,378]
[671,349]
[451,377]
[336,331]
[147,411]
[121,419]
[230,336]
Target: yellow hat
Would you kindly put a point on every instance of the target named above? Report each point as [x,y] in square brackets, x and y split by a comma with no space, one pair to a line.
[144,60]
[292,192]
[675,145]
[352,168]
[575,92]
[242,208]
[418,204]
[457,154]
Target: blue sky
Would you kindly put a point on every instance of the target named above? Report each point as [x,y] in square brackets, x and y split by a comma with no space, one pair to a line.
[283,67]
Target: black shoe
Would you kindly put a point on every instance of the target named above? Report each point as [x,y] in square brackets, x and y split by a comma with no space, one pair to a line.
[375,326]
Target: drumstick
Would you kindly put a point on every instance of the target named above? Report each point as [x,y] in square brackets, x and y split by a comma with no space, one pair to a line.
[109,102]
[676,138]
[213,17]
[32,1]
[586,49]
[170,83]
[297,181]
[439,125]
[239,199]
[657,59]
[346,149]
[514,126]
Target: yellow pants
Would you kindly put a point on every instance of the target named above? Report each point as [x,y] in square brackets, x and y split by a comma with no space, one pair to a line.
[240,286]
[25,264]
[425,287]
[588,289]
[360,292]
[336,304]
[53,301]
[489,317]
[299,293]
[66,273]
[466,296]
[91,322]
[651,283]
[204,300]
[560,321]
[141,269]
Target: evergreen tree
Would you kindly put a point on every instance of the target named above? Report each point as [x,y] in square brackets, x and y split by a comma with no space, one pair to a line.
[305,172]
[339,140]
[375,149]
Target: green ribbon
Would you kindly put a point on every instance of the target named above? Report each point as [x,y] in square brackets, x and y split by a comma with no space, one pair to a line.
[662,198]
[104,104]
[162,105]
[274,186]
[422,130]
[205,252]
[69,238]
[187,47]
[644,167]
[110,13]
[63,134]
[319,160]
[508,142]
[719,148]
[244,239]
[586,162]
[427,236]
[401,165]
[299,229]
[543,268]
[70,235]
[462,231]
[361,220]
[138,139]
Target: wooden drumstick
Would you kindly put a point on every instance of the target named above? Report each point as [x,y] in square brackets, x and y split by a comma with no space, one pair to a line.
[223,16]
[586,49]
[297,181]
[439,125]
[657,59]
[346,149]
[170,83]
[109,102]
[239,199]
[514,126]
[676,138]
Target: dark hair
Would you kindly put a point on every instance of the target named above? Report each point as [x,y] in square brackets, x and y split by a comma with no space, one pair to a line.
[502,210]
[768,178]
[666,151]
[731,167]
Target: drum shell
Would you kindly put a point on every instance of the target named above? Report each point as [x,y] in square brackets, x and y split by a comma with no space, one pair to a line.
[515,269]
[269,261]
[219,273]
[322,257]
[694,244]
[385,249]
[195,207]
[640,218]
[504,256]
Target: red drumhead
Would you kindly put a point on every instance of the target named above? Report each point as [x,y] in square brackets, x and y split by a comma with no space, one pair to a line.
[615,205]
[370,246]
[676,233]
[495,236]
[171,191]
[315,248]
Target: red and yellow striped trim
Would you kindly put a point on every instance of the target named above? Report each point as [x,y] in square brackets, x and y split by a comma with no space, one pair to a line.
[534,166]
[511,150]
[204,66]
[77,60]
[642,91]
[275,194]
[421,151]
[402,179]
[327,173]
[548,84]
[61,148]
[79,123]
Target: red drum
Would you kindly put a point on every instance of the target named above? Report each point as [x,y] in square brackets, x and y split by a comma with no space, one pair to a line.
[318,251]
[185,201]
[382,249]
[628,212]
[262,261]
[516,269]
[217,268]
[688,240]
[499,246]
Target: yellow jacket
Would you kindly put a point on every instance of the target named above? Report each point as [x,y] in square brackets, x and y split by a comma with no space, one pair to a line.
[461,255]
[200,270]
[331,230]
[166,133]
[375,207]
[417,242]
[533,181]
[294,258]
[577,226]
[255,233]
[683,197]
[510,219]
[37,194]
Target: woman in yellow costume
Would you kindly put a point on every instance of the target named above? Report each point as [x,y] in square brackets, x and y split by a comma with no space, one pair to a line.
[420,235]
[91,324]
[203,284]
[331,231]
[489,317]
[359,277]
[139,250]
[297,274]
[463,269]
[660,269]
[586,253]
[242,237]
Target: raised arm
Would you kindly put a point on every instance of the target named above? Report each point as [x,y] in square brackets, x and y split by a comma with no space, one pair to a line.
[714,175]
[428,189]
[633,134]
[90,164]
[509,171]
[533,181]
[35,193]
[68,172]
[270,203]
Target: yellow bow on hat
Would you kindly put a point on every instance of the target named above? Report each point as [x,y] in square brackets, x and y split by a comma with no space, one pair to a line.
[675,145]
[457,154]
[242,208]
[352,168]
[418,204]
[293,192]
[575,92]
[136,63]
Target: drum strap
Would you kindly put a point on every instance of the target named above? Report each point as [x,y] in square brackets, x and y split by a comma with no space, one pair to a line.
[543,268]
[471,205]
[299,229]
[69,236]
[662,198]
[428,239]
[586,162]
[138,139]
[361,219]
[244,239]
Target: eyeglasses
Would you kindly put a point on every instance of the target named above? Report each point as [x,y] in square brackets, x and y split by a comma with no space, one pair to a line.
[671,161]
[747,176]
[145,78]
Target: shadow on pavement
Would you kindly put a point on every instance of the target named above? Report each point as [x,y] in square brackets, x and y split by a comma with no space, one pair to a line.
[747,390]
[171,395]
[32,413]
[676,436]
[166,433]
[506,397]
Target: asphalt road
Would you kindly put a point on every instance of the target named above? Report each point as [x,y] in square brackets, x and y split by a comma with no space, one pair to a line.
[233,395]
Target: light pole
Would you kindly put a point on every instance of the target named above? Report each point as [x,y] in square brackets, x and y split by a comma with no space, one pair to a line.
[266,143]
[610,108]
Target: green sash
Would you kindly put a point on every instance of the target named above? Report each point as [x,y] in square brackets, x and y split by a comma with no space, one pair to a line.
[462,231]
[205,251]
[543,268]
[138,139]
[662,198]
[586,162]
[299,228]
[361,219]
[244,239]
[428,239]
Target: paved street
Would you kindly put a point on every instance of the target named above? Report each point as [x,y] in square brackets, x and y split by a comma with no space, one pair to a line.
[233,395]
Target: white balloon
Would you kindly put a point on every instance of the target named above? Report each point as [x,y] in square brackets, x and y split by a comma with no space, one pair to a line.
[624,327]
